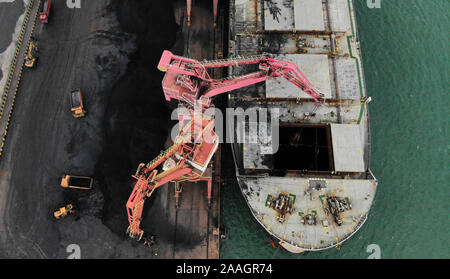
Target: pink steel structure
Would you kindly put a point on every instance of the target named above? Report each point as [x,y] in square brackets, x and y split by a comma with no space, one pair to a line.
[186,160]
[188,79]
[189,157]
[189,9]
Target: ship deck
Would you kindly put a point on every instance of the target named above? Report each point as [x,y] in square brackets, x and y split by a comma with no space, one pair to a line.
[329,142]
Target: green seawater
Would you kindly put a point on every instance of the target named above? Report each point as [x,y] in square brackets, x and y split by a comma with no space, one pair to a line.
[405,50]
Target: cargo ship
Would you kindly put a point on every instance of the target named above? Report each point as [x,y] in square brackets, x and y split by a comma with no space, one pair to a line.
[306,178]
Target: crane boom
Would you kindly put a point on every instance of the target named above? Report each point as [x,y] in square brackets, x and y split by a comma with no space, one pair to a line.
[189,11]
[188,79]
[188,158]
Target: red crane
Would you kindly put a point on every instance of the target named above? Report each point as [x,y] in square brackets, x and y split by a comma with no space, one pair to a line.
[188,79]
[189,8]
[188,158]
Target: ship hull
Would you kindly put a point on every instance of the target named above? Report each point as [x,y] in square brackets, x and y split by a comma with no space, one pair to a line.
[308,180]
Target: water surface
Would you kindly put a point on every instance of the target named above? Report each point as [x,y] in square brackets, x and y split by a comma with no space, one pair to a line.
[406,63]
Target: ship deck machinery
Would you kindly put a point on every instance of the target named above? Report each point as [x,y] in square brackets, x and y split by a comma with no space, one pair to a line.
[316,190]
